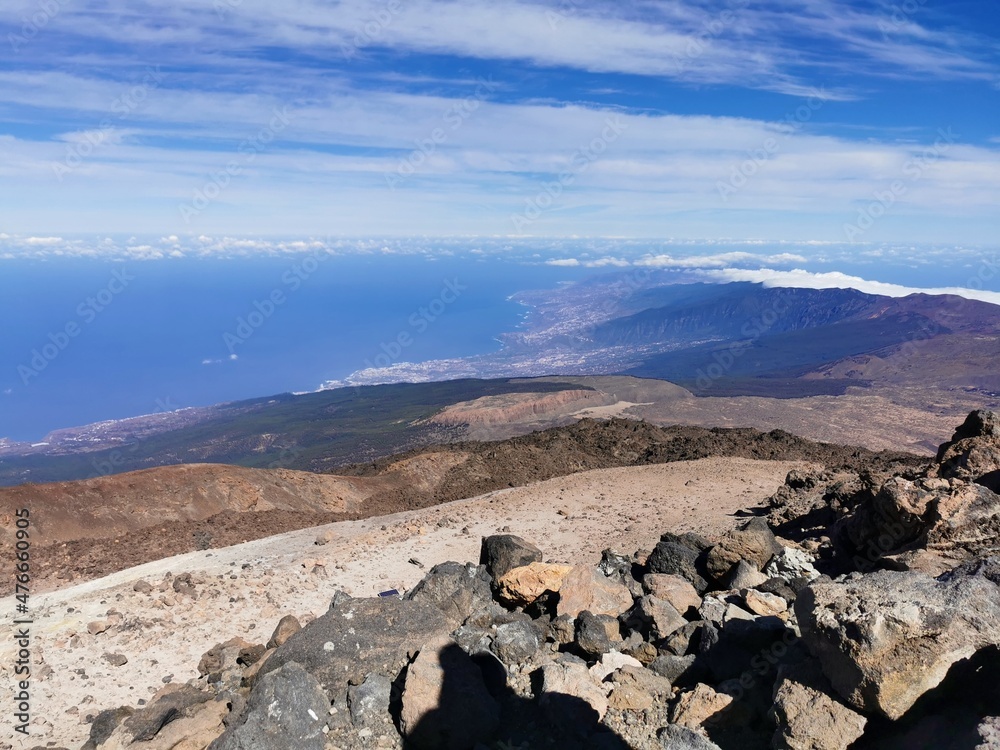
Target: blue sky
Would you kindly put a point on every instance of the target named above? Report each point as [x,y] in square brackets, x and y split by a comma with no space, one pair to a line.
[799,120]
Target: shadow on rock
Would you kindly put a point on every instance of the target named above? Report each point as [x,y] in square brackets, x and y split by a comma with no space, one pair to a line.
[453,700]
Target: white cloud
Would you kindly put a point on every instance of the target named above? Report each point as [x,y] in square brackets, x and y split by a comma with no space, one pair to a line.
[800,279]
[720,260]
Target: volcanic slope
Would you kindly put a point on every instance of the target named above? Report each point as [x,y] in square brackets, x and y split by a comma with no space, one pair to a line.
[157,513]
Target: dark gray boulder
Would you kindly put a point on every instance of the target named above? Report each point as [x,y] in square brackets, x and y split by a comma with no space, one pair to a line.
[287,710]
[358,637]
[683,555]
[457,590]
[369,702]
[516,642]
[503,552]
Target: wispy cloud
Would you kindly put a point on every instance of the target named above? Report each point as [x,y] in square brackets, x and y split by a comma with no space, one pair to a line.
[355,114]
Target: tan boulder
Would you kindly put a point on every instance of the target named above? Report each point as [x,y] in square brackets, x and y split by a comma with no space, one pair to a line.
[586,588]
[523,585]
[672,588]
[700,706]
[808,718]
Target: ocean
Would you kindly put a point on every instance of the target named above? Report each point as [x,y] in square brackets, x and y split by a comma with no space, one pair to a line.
[86,340]
[90,340]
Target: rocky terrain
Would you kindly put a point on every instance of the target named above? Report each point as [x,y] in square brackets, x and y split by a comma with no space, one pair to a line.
[162,616]
[857,608]
[157,513]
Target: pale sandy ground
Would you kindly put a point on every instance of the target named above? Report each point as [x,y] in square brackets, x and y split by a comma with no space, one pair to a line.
[244,590]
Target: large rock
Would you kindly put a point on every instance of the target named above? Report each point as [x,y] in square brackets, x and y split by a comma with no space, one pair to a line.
[586,588]
[521,586]
[973,453]
[178,717]
[287,710]
[791,564]
[960,521]
[674,589]
[457,590]
[503,552]
[967,519]
[887,638]
[287,627]
[807,717]
[753,542]
[445,701]
[360,636]
[571,698]
[676,737]
[683,555]
[596,634]
[168,705]
[662,617]
[700,707]
[637,689]
[225,662]
[989,733]
[369,701]
[516,642]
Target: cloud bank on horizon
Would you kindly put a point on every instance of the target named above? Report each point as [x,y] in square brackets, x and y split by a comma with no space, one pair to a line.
[834,120]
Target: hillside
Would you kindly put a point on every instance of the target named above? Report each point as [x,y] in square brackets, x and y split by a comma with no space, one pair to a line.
[157,513]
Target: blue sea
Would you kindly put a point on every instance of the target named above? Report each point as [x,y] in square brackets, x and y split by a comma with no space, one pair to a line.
[87,340]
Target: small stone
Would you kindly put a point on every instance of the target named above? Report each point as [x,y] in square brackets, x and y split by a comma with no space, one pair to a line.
[98,626]
[285,629]
[325,537]
[115,660]
[612,662]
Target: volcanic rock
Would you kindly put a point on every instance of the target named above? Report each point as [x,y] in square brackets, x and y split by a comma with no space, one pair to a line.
[503,552]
